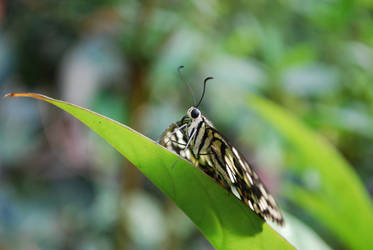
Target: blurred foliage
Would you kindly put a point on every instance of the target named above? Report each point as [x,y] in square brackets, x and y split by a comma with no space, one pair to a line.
[63,188]
[319,174]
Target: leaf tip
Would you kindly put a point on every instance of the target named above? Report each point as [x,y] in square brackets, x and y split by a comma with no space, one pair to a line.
[32,95]
[9,95]
[17,95]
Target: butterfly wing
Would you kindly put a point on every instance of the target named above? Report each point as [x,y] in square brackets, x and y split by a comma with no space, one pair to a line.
[222,162]
[174,138]
[243,180]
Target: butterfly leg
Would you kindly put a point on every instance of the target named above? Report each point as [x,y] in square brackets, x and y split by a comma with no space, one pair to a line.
[179,143]
[177,129]
[185,149]
[174,164]
[190,139]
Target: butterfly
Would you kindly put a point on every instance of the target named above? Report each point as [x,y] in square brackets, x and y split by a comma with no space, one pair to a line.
[195,139]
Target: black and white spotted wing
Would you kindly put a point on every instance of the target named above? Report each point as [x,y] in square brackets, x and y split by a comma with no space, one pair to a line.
[195,139]
[174,138]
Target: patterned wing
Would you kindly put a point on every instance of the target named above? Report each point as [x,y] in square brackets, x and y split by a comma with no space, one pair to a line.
[211,152]
[241,178]
[174,138]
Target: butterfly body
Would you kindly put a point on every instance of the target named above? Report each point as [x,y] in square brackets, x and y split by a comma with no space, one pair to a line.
[195,139]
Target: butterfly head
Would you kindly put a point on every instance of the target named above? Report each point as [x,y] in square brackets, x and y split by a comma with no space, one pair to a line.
[193,116]
[194,113]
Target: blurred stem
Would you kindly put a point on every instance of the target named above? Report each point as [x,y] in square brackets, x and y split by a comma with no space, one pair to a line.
[138,68]
[2,11]
[275,92]
[131,177]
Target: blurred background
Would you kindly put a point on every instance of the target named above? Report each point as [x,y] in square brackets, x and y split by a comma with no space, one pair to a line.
[63,187]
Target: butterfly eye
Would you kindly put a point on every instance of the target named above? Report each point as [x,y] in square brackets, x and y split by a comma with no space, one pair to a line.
[195,113]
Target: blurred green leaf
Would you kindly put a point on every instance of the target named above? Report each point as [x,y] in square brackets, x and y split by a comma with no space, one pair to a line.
[332,192]
[225,221]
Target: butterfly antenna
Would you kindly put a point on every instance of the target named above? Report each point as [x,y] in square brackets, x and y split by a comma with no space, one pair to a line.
[187,84]
[204,89]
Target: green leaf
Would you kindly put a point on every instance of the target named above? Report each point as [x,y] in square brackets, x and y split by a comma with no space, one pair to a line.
[224,220]
[334,194]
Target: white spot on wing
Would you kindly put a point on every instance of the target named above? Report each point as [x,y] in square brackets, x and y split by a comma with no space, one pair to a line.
[231,176]
[235,152]
[251,205]
[235,192]
[250,179]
